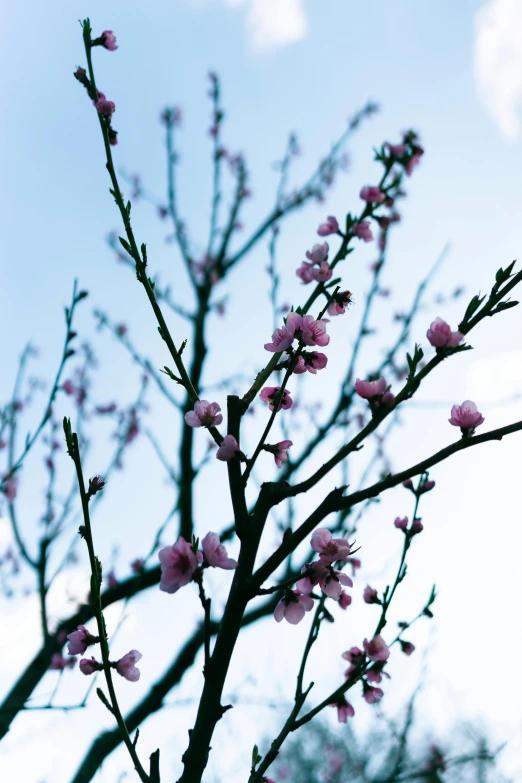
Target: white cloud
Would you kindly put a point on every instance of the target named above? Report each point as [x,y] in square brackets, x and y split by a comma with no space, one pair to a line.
[498,61]
[272,23]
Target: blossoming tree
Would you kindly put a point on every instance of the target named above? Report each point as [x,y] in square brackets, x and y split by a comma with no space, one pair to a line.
[314,565]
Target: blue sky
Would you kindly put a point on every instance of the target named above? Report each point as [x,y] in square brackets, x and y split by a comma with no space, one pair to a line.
[451,71]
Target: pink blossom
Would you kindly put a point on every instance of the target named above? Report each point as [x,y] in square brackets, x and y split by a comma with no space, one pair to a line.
[205,414]
[466,416]
[108,39]
[426,486]
[376,673]
[228,449]
[331,226]
[293,607]
[401,524]
[416,527]
[308,330]
[112,580]
[89,666]
[10,487]
[370,389]
[282,339]
[373,195]
[355,657]
[178,565]
[79,640]
[339,303]
[59,663]
[330,549]
[344,710]
[440,335]
[305,272]
[370,595]
[376,648]
[322,273]
[126,668]
[362,230]
[105,108]
[138,565]
[216,554]
[330,580]
[281,455]
[311,361]
[406,647]
[345,600]
[396,150]
[318,253]
[414,161]
[269,393]
[372,695]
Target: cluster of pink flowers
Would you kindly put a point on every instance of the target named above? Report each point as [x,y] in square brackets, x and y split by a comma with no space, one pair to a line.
[376,392]
[180,561]
[103,106]
[408,153]
[299,327]
[416,525]
[126,666]
[321,572]
[373,195]
[317,267]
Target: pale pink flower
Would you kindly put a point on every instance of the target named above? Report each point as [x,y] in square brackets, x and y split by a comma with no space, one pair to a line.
[126,666]
[59,663]
[105,108]
[178,565]
[466,416]
[395,150]
[90,665]
[109,40]
[362,230]
[330,580]
[344,710]
[406,647]
[426,486]
[330,549]
[205,414]
[281,455]
[322,273]
[376,649]
[269,393]
[331,226]
[355,657]
[305,272]
[372,695]
[308,330]
[138,565]
[373,195]
[345,600]
[282,339]
[79,640]
[440,335]
[311,361]
[401,524]
[339,303]
[370,389]
[228,449]
[318,253]
[370,595]
[414,161]
[416,527]
[376,673]
[293,607]
[215,553]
